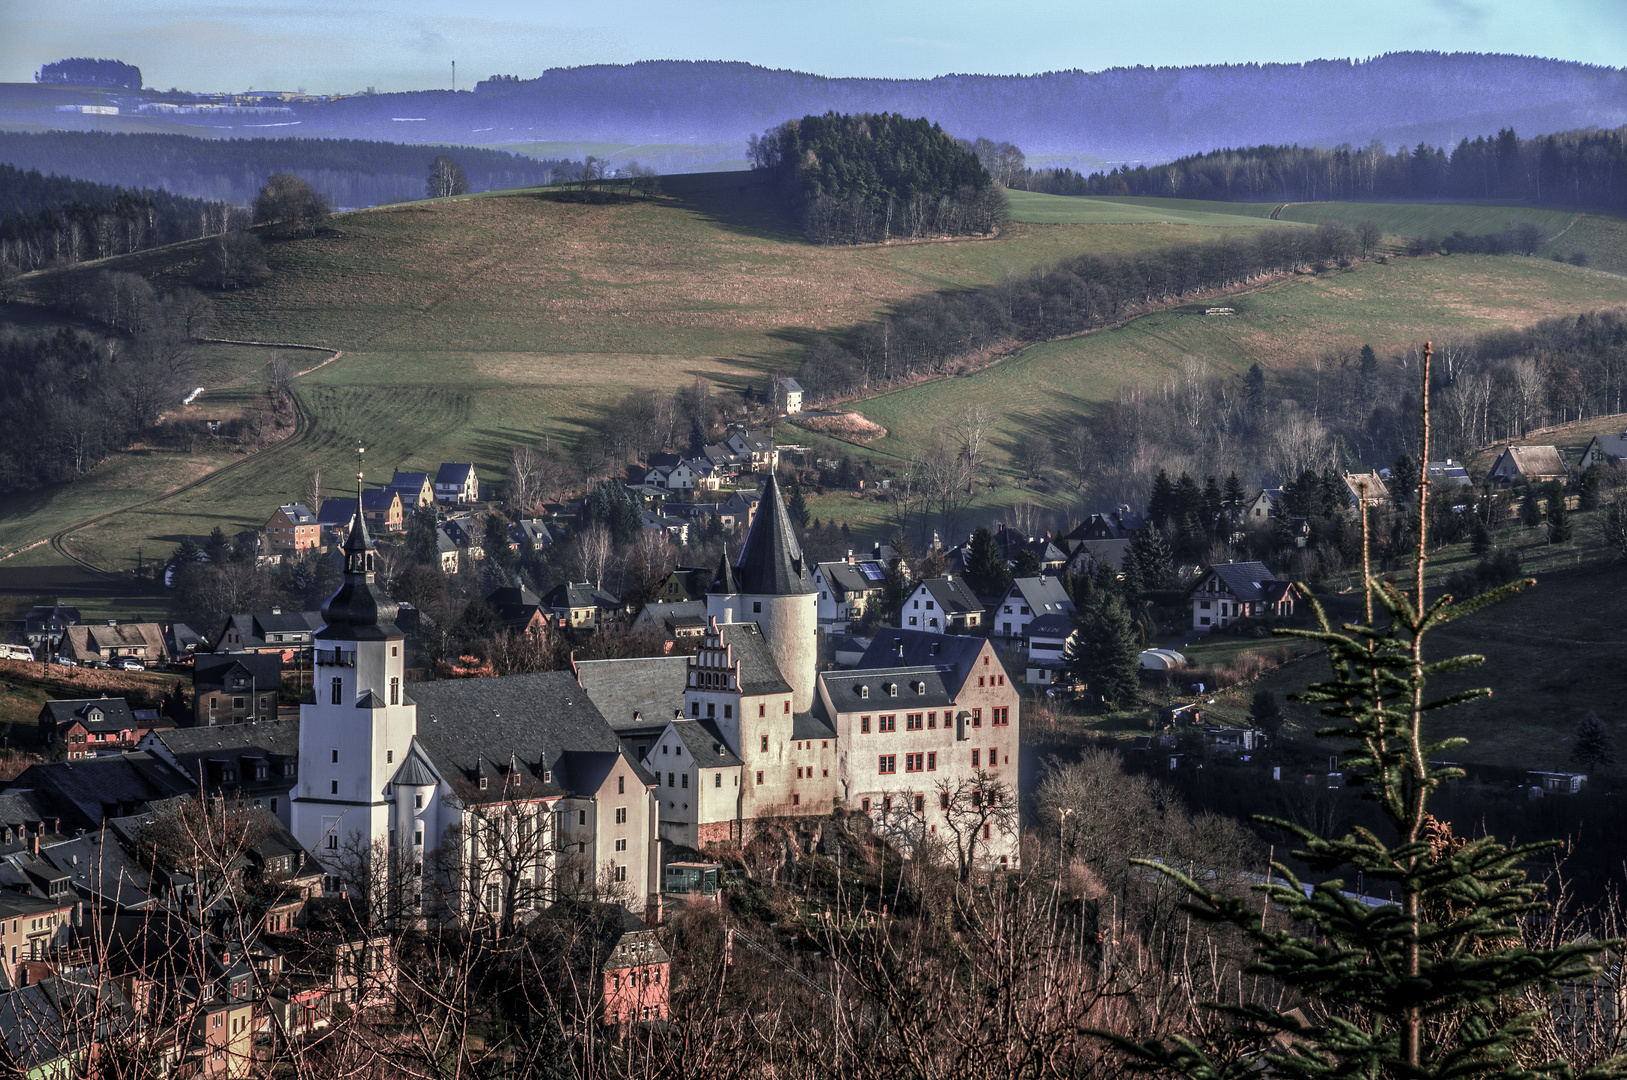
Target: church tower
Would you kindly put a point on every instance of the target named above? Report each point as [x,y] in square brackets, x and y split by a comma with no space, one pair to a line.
[771,584]
[356,727]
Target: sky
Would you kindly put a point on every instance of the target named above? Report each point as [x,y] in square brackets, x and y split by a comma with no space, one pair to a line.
[326,47]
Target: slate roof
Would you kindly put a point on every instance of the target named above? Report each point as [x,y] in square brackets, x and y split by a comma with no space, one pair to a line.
[812,725]
[952,595]
[706,743]
[211,671]
[916,648]
[845,577]
[379,499]
[771,561]
[723,581]
[578,594]
[415,771]
[298,513]
[514,604]
[675,615]
[44,617]
[650,686]
[452,473]
[116,713]
[1043,595]
[193,749]
[408,482]
[759,671]
[254,630]
[919,687]
[1108,552]
[336,513]
[89,791]
[1051,626]
[791,384]
[535,528]
[1244,579]
[465,725]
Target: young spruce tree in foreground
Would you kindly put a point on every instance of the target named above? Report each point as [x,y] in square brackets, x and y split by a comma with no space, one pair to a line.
[1421,989]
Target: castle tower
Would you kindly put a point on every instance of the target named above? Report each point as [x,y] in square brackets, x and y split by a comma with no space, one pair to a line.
[772,585]
[357,726]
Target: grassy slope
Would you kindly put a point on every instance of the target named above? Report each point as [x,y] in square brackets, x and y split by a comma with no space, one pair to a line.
[1389,306]
[471,324]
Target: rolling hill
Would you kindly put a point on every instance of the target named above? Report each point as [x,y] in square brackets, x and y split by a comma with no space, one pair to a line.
[471,324]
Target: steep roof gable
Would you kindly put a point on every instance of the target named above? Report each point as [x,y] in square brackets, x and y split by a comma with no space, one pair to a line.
[771,561]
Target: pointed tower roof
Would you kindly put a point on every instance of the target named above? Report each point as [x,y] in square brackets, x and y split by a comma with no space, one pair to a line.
[771,562]
[723,580]
[359,610]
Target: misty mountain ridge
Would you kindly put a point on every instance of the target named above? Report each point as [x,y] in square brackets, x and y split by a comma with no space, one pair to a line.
[1118,115]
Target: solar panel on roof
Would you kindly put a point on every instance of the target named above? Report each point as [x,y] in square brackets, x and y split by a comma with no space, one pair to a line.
[873,571]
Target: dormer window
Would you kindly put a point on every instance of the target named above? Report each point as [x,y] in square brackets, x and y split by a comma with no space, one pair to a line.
[892,689]
[482,783]
[864,691]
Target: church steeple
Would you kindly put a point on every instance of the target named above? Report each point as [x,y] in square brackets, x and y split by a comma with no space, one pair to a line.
[771,562]
[359,610]
[723,580]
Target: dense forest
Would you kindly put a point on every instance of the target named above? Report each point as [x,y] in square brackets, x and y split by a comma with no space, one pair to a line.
[1573,168]
[349,172]
[82,71]
[855,179]
[44,219]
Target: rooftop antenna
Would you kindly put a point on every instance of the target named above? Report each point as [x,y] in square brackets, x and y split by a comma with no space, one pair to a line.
[360,450]
[454,76]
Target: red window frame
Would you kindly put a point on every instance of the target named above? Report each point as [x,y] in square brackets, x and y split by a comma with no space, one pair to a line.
[977,717]
[759,778]
[976,756]
[931,761]
[887,764]
[913,763]
[864,725]
[914,721]
[887,723]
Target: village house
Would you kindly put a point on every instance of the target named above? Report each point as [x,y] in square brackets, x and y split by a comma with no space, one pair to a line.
[1226,592]
[334,519]
[788,396]
[847,587]
[1122,523]
[1603,450]
[235,688]
[581,605]
[672,619]
[1260,509]
[80,728]
[32,928]
[517,608]
[1366,489]
[254,764]
[114,642]
[1029,598]
[45,625]
[1012,544]
[697,781]
[292,529]
[684,583]
[1047,648]
[465,531]
[943,605]
[1518,465]
[1448,473]
[676,529]
[415,489]
[754,447]
[447,550]
[383,509]
[457,483]
[533,529]
[288,634]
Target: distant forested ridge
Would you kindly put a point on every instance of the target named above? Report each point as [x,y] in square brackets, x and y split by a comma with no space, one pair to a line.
[44,219]
[82,71]
[1118,115]
[856,179]
[350,172]
[1579,168]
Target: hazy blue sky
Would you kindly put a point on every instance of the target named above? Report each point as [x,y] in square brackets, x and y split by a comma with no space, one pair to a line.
[410,44]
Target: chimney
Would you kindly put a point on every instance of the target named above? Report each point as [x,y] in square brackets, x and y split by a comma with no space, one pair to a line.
[900,642]
[276,610]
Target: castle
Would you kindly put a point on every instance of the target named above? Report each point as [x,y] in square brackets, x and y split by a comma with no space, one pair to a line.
[486,796]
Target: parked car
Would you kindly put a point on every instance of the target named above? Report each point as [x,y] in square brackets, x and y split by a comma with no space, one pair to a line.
[65,661]
[131,665]
[100,664]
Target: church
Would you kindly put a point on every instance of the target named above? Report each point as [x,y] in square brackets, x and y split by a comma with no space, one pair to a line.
[489,797]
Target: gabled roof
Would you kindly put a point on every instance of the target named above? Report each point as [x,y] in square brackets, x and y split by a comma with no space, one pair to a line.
[791,384]
[952,595]
[115,713]
[759,671]
[1534,460]
[1244,579]
[535,528]
[415,771]
[858,576]
[465,725]
[380,499]
[1051,626]
[771,561]
[578,594]
[194,749]
[336,513]
[217,670]
[705,743]
[89,791]
[411,481]
[916,648]
[298,513]
[1109,552]
[635,693]
[1043,595]
[50,616]
[453,473]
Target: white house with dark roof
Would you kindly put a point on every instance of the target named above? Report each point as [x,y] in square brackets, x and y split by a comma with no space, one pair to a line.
[697,779]
[846,588]
[1603,450]
[943,605]
[756,447]
[1028,599]
[1226,592]
[1047,648]
[788,395]
[457,483]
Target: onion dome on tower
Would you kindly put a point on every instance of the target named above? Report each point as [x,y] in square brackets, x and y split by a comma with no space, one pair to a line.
[360,610]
